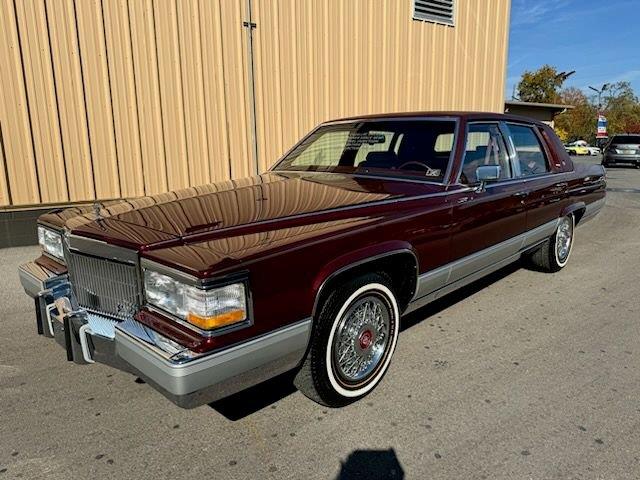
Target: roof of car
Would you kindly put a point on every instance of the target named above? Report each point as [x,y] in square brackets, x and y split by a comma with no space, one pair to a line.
[468,115]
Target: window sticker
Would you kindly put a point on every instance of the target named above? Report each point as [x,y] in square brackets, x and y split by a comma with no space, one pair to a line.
[356,140]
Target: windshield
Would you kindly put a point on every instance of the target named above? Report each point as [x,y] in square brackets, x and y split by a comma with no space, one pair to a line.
[626,139]
[415,148]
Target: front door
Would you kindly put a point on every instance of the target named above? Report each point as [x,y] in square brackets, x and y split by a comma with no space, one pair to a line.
[487,222]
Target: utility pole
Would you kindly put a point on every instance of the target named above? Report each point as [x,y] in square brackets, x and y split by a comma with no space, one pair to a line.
[599,91]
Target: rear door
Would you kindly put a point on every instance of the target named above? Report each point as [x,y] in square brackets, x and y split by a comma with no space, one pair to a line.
[487,221]
[544,187]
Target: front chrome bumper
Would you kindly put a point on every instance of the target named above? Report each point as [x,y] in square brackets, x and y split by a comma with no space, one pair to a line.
[187,378]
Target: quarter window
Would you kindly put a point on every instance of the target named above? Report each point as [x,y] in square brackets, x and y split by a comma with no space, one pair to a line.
[530,155]
[485,146]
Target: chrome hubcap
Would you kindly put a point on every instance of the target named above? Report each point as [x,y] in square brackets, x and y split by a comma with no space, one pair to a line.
[563,239]
[361,338]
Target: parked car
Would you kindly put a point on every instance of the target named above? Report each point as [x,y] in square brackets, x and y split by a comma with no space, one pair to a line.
[577,148]
[622,149]
[208,290]
[591,150]
[594,151]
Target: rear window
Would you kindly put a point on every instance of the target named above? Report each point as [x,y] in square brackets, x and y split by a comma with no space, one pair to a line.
[626,139]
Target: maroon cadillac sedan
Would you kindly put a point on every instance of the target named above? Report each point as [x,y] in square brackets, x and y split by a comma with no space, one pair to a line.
[310,266]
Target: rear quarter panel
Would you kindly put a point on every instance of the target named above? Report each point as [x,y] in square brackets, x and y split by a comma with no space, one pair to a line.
[586,185]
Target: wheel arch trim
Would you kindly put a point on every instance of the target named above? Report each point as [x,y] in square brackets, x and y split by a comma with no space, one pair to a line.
[573,209]
[357,259]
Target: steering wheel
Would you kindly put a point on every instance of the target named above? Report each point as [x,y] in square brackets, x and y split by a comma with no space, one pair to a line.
[413,162]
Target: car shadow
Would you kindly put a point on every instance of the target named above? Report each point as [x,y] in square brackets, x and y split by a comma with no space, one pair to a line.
[256,398]
[372,465]
[265,394]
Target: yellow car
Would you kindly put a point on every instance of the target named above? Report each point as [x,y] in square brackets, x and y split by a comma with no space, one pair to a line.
[576,150]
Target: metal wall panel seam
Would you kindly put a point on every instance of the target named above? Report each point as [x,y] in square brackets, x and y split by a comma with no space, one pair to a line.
[43,113]
[5,188]
[84,99]
[19,159]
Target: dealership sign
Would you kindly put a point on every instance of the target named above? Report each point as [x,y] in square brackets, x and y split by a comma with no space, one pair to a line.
[602,127]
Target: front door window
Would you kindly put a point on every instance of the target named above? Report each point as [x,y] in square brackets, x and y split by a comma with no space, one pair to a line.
[485,146]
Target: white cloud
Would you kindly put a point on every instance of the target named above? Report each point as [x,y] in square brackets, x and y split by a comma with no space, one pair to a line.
[528,12]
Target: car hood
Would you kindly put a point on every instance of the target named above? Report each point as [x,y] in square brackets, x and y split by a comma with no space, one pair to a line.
[229,208]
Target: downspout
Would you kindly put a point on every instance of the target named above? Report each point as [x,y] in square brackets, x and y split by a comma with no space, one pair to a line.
[250,26]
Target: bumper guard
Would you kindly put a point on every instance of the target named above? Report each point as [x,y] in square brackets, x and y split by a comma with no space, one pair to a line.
[187,378]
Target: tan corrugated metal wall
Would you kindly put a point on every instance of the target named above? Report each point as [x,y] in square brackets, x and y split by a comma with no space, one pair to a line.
[121,98]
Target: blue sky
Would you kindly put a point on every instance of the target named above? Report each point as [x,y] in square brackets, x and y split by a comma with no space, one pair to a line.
[600,40]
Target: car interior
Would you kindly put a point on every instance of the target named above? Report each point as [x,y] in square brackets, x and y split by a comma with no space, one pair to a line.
[408,146]
[485,146]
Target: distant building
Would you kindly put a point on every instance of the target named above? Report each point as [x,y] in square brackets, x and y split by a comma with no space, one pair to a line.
[544,112]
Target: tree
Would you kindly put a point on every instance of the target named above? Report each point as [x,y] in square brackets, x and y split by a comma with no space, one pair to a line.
[563,135]
[632,128]
[579,122]
[622,108]
[620,104]
[542,85]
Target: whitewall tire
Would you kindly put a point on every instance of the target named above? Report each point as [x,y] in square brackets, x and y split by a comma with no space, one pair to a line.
[353,340]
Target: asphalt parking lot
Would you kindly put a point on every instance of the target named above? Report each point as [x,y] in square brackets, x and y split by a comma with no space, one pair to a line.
[522,375]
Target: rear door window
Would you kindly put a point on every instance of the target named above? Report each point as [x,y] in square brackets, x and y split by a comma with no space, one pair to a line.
[531,157]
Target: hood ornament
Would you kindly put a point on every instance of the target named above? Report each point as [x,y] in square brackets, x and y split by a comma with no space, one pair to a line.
[97,208]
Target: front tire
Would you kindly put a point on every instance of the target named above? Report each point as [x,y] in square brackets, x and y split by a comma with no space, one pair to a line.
[554,253]
[354,338]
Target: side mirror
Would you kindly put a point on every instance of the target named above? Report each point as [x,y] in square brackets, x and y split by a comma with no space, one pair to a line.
[486,174]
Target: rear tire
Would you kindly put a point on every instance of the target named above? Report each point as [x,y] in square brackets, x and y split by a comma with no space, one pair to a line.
[353,340]
[554,253]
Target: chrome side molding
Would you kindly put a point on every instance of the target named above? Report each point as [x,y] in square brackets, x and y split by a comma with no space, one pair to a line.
[449,277]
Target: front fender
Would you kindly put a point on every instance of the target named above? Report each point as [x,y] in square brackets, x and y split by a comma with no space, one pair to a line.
[357,258]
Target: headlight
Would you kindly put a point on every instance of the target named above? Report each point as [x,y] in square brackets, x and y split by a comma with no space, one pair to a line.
[206,309]
[51,242]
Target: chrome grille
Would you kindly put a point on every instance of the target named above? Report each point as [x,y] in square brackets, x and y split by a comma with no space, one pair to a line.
[104,286]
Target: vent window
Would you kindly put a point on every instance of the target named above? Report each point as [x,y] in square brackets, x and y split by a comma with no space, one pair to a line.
[439,11]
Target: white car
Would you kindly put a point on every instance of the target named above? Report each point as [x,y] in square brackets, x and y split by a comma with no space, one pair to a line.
[582,143]
[594,150]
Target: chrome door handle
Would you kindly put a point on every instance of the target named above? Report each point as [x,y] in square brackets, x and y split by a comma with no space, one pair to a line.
[522,194]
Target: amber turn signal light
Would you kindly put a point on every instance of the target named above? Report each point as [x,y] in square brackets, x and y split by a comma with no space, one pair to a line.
[216,321]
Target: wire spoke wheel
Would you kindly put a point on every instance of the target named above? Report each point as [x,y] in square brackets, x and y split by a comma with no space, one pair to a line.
[354,338]
[361,339]
[564,237]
